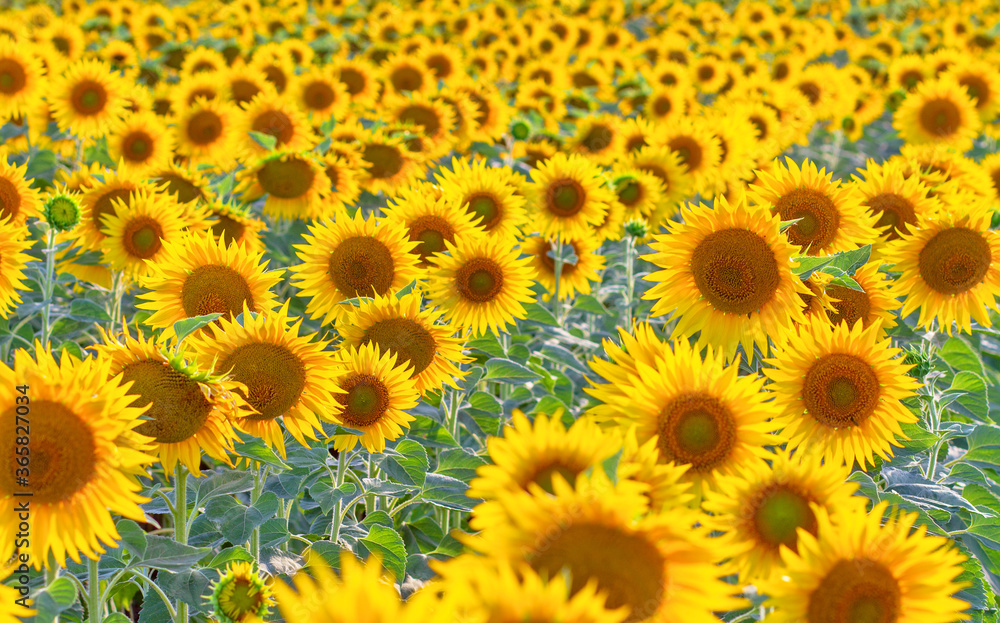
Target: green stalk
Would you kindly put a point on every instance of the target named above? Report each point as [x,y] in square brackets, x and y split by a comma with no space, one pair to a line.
[180,526]
[51,575]
[94,592]
[558,263]
[48,285]
[629,279]
[119,282]
[338,480]
[259,476]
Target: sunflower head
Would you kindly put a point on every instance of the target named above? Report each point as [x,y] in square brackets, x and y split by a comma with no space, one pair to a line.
[240,595]
[63,211]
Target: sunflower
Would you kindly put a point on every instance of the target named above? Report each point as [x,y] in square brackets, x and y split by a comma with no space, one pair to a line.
[761,509]
[831,217]
[389,163]
[240,595]
[431,220]
[907,72]
[897,201]
[319,94]
[276,116]
[867,569]
[278,69]
[665,164]
[492,113]
[485,196]
[361,592]
[531,454]
[87,98]
[432,119]
[243,83]
[637,191]
[982,83]
[841,390]
[285,374]
[142,140]
[138,229]
[701,412]
[697,148]
[481,284]
[188,411]
[360,78]
[570,196]
[655,565]
[343,174]
[21,79]
[13,262]
[727,274]
[599,138]
[206,132]
[575,276]
[639,344]
[872,304]
[295,183]
[947,268]
[667,486]
[939,112]
[12,608]
[18,201]
[426,347]
[348,258]
[233,222]
[496,591]
[666,104]
[85,455]
[187,184]
[207,86]
[199,275]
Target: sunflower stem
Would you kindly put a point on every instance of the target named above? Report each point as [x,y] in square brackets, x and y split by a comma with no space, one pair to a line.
[629,279]
[557,252]
[94,592]
[180,525]
[51,575]
[118,284]
[48,285]
[338,480]
[259,476]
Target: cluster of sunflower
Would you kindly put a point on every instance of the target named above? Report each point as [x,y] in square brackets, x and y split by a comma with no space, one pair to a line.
[450,168]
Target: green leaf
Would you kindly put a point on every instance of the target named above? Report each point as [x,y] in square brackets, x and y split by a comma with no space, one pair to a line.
[167,554]
[257,450]
[590,304]
[972,394]
[266,141]
[488,344]
[228,555]
[923,492]
[459,463]
[72,348]
[189,586]
[239,523]
[324,493]
[388,545]
[540,314]
[806,265]
[984,447]
[227,482]
[507,371]
[485,402]
[446,492]
[42,164]
[960,356]
[86,310]
[184,328]
[846,282]
[133,537]
[117,617]
[850,261]
[610,466]
[56,598]
[406,463]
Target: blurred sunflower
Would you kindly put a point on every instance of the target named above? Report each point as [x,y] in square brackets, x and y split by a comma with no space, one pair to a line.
[665,165]
[206,132]
[702,413]
[242,83]
[486,197]
[233,222]
[85,455]
[599,138]
[639,344]
[570,196]
[138,229]
[18,201]
[840,390]
[948,268]
[348,258]
[285,375]
[575,276]
[142,141]
[939,112]
[295,183]
[87,98]
[426,347]
[199,275]
[430,220]
[13,262]
[188,411]
[187,184]
[360,78]
[320,95]
[276,116]
[207,86]
[982,82]
[657,566]
[21,79]
[433,120]
[389,163]
[866,568]
[343,175]
[762,509]
[726,274]
[697,148]
[375,390]
[637,191]
[830,215]
[481,284]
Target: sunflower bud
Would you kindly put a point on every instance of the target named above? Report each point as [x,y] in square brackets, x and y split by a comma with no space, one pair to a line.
[62,211]
[637,228]
[520,129]
[240,595]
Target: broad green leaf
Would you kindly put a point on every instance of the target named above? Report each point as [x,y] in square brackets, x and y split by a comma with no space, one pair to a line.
[805,265]
[386,487]
[116,617]
[588,303]
[507,371]
[540,314]
[239,523]
[407,463]
[459,463]
[226,556]
[255,448]
[488,344]
[960,356]
[56,598]
[388,545]
[184,328]
[850,261]
[226,482]
[167,554]
[846,282]
[266,141]
[446,492]
[485,402]
[86,310]
[973,394]
[189,586]
[324,493]
[133,537]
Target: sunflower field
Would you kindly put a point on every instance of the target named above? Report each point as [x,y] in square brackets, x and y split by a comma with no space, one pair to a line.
[461,311]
